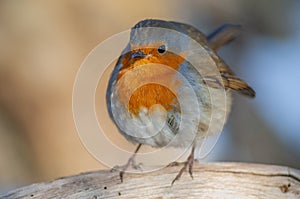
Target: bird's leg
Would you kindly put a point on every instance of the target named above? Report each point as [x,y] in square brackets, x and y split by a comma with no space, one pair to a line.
[188,163]
[130,162]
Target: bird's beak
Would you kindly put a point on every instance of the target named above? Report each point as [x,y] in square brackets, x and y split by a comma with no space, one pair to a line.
[138,55]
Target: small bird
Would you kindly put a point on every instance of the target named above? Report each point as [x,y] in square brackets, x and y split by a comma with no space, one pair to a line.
[147,94]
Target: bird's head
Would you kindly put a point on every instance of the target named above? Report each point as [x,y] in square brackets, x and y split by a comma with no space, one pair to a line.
[155,42]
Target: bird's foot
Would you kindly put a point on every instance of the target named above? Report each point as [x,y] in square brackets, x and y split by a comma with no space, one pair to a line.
[187,164]
[130,163]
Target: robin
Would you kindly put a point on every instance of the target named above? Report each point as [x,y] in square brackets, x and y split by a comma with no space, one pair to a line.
[132,102]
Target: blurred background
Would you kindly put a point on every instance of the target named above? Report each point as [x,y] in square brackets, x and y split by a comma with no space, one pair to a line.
[43,43]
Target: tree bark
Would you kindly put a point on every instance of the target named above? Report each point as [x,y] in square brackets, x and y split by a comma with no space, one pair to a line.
[211,180]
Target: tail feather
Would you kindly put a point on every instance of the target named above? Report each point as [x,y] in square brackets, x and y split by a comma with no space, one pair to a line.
[223,35]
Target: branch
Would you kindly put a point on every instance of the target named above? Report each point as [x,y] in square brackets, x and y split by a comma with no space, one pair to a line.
[211,180]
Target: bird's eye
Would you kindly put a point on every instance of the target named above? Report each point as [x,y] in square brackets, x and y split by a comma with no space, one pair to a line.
[162,49]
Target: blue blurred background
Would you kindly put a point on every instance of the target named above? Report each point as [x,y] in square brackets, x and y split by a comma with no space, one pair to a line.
[44,42]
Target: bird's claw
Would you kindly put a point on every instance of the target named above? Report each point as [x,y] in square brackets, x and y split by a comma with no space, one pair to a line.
[130,163]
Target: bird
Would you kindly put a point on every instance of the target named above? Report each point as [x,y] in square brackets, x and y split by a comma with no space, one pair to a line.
[147,95]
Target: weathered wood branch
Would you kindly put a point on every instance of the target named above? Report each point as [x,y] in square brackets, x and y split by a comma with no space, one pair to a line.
[211,180]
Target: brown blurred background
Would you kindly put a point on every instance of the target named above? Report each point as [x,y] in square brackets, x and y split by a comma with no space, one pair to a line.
[43,43]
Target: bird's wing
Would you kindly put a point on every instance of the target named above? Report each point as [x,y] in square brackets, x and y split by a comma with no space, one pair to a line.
[229,82]
[216,39]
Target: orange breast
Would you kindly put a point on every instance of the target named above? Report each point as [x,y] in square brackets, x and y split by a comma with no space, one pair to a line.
[149,95]
[134,95]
